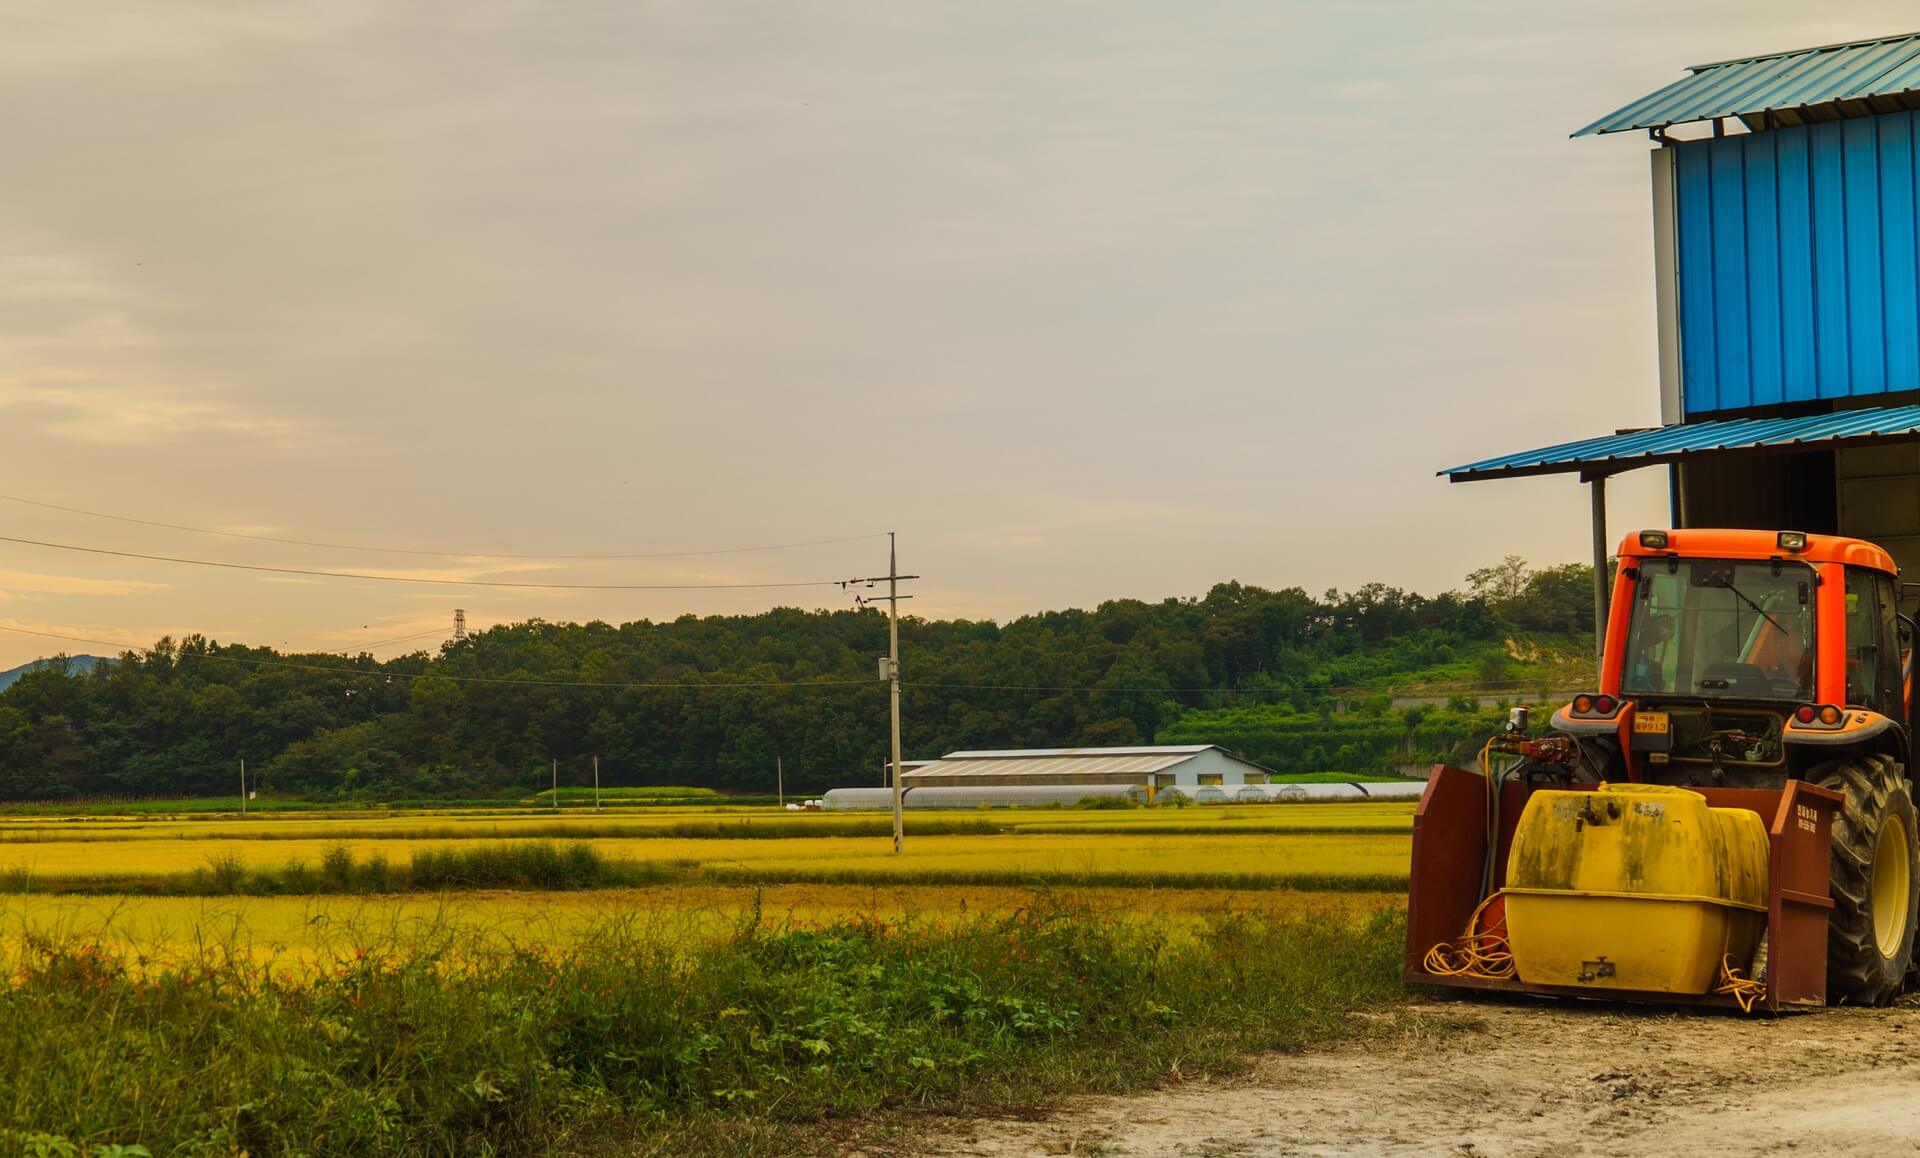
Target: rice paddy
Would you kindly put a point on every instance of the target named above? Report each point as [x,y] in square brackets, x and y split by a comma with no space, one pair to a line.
[81,878]
[303,931]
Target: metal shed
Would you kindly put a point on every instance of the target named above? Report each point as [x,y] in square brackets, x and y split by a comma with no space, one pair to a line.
[1787,289]
[1156,767]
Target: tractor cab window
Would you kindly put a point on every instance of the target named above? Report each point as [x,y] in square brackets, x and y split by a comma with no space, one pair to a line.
[1721,629]
[1873,648]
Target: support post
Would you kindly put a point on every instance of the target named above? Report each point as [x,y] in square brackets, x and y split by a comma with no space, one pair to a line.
[1599,484]
[596,783]
[556,783]
[889,671]
[893,685]
[243,785]
[780,783]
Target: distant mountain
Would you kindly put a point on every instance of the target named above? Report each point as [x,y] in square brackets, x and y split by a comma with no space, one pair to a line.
[76,664]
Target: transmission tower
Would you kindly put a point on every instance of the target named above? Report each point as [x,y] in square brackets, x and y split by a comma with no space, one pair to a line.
[459,624]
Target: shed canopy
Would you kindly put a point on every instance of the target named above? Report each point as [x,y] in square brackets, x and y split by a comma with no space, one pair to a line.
[1613,453]
[1828,83]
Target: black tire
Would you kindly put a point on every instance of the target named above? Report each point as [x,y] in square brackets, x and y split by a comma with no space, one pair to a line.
[1867,955]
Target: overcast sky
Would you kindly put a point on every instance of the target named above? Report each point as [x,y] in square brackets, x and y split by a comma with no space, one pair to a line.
[1085,300]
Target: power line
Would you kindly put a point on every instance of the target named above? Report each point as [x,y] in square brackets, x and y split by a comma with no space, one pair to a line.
[425,551]
[348,671]
[399,639]
[905,684]
[415,578]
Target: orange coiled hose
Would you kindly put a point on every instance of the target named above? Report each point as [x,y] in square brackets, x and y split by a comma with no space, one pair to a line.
[1479,952]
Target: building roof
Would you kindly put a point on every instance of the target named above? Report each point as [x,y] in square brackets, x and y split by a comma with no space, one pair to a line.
[1066,762]
[1636,448]
[1826,83]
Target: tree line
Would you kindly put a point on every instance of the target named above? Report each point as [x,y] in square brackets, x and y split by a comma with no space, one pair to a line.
[715,700]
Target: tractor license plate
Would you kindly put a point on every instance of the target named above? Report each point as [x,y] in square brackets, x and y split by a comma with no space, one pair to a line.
[1650,723]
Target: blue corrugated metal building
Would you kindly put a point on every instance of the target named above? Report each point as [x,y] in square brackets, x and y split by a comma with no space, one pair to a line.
[1786,205]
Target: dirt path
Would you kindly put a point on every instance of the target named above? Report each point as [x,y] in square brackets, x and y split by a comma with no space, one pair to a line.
[1537,1082]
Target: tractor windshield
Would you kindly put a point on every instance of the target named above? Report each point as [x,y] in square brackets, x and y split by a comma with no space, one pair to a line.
[1721,628]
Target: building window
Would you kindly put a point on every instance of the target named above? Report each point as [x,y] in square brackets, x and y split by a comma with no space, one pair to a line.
[1209,778]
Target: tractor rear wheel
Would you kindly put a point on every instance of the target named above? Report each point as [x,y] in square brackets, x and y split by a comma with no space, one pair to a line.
[1874,880]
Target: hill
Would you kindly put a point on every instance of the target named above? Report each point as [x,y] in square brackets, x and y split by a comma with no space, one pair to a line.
[714,701]
[75,665]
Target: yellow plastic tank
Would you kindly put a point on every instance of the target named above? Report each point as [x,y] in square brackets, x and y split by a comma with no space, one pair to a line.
[1634,886]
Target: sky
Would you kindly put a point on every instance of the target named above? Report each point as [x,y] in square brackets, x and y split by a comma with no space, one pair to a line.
[1084,300]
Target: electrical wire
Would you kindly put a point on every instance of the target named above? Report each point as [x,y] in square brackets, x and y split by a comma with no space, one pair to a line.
[1477,952]
[400,639]
[392,675]
[423,551]
[418,579]
[1736,984]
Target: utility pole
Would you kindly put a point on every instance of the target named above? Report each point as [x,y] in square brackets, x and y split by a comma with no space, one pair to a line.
[890,671]
[243,785]
[556,782]
[596,783]
[779,783]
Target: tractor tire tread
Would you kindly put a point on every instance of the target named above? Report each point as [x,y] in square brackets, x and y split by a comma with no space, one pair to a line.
[1871,787]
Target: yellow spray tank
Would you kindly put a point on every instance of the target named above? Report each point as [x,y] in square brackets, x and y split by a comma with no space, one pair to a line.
[1634,886]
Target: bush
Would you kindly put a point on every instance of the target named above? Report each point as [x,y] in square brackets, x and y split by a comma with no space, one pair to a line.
[448,1047]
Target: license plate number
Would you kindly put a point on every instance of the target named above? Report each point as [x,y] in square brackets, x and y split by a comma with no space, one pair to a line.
[1650,723]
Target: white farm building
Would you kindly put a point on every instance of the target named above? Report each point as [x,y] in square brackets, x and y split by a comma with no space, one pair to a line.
[1186,765]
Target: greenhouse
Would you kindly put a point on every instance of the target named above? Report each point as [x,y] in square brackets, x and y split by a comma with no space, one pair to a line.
[857,799]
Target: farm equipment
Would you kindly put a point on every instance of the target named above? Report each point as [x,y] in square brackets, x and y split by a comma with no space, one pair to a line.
[1727,820]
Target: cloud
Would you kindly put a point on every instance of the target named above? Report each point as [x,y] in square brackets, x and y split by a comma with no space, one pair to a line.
[13,583]
[82,361]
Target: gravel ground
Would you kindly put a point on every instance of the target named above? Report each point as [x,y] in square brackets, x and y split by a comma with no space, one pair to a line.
[1536,1081]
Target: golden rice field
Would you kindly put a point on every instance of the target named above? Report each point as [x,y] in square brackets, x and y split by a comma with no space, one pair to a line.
[307,930]
[1040,855]
[1162,855]
[559,824]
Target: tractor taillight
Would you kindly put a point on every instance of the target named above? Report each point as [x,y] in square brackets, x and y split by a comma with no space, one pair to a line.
[1829,715]
[1605,705]
[1804,713]
[1583,704]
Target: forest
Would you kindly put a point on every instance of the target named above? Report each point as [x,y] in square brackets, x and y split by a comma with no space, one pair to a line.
[1281,676]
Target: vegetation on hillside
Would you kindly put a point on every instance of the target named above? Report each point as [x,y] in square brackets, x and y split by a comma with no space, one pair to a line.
[713,701]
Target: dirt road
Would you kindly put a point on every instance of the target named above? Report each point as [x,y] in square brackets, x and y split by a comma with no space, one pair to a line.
[1536,1082]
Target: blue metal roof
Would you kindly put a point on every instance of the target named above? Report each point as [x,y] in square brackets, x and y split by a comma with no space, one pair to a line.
[1785,88]
[1617,452]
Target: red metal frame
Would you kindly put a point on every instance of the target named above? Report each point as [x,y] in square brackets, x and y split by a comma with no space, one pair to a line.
[1449,857]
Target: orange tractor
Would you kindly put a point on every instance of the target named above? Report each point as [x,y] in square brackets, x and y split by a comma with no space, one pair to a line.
[1727,820]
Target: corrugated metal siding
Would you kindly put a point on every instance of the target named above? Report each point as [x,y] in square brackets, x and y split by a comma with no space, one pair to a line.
[1809,84]
[1799,275]
[1674,443]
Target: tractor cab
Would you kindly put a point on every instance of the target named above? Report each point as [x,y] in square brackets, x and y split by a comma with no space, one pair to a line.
[1744,658]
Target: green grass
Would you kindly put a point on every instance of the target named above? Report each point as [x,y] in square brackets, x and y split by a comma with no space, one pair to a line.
[768,1039]
[573,795]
